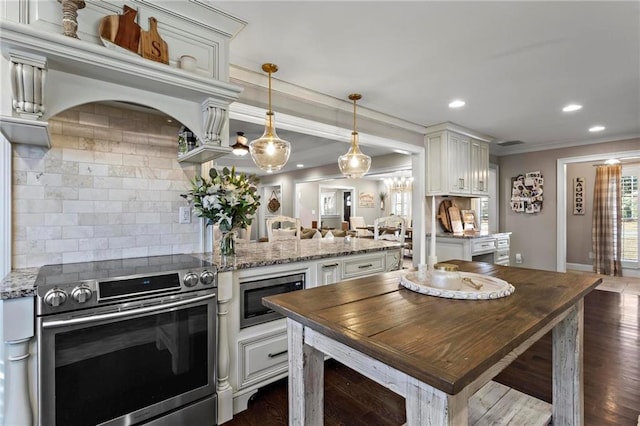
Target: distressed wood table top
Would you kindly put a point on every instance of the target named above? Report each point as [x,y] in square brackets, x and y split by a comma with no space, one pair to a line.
[445,343]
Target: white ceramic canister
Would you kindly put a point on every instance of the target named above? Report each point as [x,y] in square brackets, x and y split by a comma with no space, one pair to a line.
[188,63]
[446,275]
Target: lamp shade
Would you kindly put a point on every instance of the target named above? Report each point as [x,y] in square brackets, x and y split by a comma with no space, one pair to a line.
[269,152]
[354,164]
[240,147]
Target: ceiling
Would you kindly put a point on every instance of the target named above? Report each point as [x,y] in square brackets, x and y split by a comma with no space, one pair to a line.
[516,65]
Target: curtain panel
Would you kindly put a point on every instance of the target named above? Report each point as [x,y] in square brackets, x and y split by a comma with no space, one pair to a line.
[607,221]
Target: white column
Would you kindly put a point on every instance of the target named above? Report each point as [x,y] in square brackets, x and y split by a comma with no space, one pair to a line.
[18,405]
[223,388]
[433,259]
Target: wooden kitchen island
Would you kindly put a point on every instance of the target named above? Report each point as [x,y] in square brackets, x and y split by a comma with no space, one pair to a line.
[435,352]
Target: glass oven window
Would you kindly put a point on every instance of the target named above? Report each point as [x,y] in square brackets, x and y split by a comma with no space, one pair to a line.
[106,371]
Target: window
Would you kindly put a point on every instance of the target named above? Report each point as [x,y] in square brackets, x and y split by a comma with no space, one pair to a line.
[401,204]
[630,202]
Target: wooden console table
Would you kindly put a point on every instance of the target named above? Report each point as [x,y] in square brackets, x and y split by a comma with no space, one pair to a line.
[435,352]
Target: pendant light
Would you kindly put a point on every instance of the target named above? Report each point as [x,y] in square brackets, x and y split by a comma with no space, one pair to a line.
[240,147]
[269,152]
[354,164]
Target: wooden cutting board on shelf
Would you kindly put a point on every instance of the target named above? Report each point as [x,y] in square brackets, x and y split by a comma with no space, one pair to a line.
[121,30]
[456,220]
[152,46]
[443,215]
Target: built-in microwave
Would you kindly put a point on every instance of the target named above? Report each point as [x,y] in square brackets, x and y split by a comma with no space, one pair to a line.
[252,311]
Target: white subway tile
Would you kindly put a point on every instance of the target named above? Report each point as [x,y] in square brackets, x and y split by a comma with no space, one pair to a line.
[44,232]
[44,179]
[108,206]
[122,242]
[90,219]
[18,261]
[93,243]
[147,240]
[63,219]
[77,232]
[135,252]
[61,246]
[158,162]
[109,134]
[122,171]
[29,247]
[54,165]
[27,164]
[108,158]
[122,218]
[29,219]
[93,194]
[77,181]
[185,248]
[72,206]
[96,120]
[40,206]
[159,185]
[160,250]
[122,194]
[77,155]
[77,256]
[135,160]
[28,192]
[147,217]
[107,182]
[36,260]
[108,254]
[107,230]
[75,129]
[135,183]
[60,193]
[93,169]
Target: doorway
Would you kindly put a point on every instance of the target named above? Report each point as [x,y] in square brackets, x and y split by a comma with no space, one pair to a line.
[346,203]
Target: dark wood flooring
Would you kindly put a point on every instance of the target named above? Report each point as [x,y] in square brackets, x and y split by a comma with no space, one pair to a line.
[611,376]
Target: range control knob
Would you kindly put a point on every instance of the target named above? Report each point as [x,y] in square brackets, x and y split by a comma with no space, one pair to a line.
[190,279]
[55,297]
[81,294]
[207,277]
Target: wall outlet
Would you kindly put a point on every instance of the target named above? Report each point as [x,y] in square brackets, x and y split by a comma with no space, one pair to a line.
[185,215]
[518,257]
[313,212]
[591,255]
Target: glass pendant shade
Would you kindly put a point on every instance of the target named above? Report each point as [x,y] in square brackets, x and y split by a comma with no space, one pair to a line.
[269,152]
[240,147]
[354,164]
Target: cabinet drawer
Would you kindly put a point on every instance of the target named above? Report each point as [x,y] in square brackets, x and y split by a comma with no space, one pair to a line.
[483,245]
[262,357]
[503,243]
[363,265]
[502,255]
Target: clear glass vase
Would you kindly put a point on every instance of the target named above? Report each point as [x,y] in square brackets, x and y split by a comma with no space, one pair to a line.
[228,243]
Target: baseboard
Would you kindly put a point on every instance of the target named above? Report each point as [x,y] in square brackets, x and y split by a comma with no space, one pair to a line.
[626,272]
[579,267]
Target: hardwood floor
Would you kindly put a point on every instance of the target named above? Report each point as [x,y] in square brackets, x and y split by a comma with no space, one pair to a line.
[611,376]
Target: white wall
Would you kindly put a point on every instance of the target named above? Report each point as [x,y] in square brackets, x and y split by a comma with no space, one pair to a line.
[109,187]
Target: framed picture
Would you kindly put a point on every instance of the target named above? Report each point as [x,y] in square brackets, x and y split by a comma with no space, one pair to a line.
[365,199]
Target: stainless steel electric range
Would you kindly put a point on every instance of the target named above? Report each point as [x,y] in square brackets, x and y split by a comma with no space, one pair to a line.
[128,341]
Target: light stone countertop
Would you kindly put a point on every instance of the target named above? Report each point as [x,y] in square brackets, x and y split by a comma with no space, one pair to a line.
[21,282]
[469,235]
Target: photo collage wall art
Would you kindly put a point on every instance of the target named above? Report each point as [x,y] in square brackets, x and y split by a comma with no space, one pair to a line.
[526,193]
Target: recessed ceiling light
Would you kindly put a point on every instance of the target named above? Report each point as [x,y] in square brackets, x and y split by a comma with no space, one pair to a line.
[457,104]
[612,161]
[299,166]
[597,128]
[572,107]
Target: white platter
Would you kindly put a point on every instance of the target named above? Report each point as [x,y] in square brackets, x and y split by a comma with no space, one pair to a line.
[492,288]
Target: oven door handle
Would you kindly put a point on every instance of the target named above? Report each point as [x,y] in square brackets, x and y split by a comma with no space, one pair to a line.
[128,313]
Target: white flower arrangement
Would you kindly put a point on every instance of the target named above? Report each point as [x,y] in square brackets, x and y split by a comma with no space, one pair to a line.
[228,200]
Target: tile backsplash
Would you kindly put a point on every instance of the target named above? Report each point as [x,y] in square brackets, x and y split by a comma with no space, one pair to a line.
[108,187]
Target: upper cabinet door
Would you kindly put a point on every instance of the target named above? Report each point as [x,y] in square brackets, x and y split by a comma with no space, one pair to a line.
[479,168]
[459,164]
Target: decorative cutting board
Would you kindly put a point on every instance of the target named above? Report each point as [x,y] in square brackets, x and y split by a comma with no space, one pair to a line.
[152,46]
[121,31]
[443,215]
[456,220]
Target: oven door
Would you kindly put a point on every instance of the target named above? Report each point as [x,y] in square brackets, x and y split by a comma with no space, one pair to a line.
[123,367]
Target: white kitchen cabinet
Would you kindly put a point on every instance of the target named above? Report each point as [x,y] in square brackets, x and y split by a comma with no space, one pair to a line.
[367,264]
[457,161]
[262,357]
[329,272]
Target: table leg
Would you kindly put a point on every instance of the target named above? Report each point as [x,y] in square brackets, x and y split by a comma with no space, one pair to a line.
[568,345]
[306,379]
[430,406]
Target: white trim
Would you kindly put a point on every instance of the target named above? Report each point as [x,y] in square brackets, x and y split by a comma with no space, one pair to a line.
[561,209]
[5,207]
[256,115]
[579,267]
[243,75]
[499,151]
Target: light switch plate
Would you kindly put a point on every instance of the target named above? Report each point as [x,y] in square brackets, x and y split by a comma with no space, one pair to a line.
[185,215]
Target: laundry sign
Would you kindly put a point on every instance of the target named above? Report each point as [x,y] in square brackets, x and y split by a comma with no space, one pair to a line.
[578,196]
